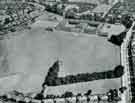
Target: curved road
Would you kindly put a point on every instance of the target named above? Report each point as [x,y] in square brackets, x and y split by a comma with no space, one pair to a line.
[126,96]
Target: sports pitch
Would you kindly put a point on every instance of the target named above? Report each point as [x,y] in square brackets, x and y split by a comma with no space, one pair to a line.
[32,52]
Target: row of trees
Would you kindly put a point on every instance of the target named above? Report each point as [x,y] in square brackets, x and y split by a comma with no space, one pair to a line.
[52,78]
[64,95]
[68,94]
[131,68]
[112,94]
[57,8]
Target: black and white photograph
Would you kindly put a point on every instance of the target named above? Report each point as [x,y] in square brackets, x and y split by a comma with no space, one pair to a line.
[67,51]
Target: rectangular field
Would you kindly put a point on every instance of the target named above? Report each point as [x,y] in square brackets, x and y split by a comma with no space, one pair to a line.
[97,87]
[32,52]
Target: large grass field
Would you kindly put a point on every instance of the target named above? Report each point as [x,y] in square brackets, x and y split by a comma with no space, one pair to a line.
[32,52]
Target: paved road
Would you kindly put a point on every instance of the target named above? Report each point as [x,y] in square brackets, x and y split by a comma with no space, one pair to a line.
[132,65]
[124,60]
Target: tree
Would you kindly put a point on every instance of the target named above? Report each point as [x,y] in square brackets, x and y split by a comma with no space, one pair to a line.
[118,39]
[49,79]
[126,21]
[1,26]
[118,71]
[4,97]
[122,89]
[133,100]
[7,21]
[115,93]
[64,1]
[99,99]
[110,95]
[10,11]
[39,96]
[88,92]
[67,94]
[78,97]
[52,74]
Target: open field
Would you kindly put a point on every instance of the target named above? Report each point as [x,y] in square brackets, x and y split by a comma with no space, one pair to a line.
[39,47]
[99,86]
[32,52]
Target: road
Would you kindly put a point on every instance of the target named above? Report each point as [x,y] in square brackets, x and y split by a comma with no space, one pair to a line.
[124,61]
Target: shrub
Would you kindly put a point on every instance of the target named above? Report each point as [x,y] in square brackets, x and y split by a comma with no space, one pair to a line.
[117,40]
[88,92]
[118,71]
[39,96]
[126,21]
[67,94]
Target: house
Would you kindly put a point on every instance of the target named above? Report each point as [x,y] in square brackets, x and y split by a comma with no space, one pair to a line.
[86,1]
[102,9]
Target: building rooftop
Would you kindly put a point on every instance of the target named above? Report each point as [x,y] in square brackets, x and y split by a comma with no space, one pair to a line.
[103,8]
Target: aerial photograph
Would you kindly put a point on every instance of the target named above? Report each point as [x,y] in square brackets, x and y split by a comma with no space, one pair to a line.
[67,51]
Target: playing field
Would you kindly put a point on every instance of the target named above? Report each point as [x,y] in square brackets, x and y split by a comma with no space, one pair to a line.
[32,52]
[99,86]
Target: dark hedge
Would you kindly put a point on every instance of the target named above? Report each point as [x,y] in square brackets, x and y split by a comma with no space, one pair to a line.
[52,78]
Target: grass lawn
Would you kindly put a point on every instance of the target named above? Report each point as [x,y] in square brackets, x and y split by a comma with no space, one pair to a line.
[99,86]
[33,52]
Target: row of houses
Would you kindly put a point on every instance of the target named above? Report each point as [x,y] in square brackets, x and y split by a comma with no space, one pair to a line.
[109,2]
[75,99]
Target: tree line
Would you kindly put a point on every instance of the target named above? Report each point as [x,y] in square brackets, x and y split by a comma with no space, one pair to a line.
[52,78]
